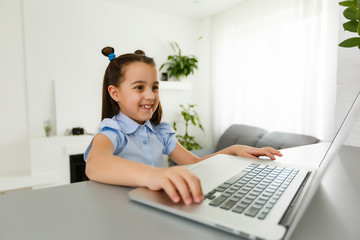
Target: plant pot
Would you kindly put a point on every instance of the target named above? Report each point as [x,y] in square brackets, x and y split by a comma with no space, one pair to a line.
[47,132]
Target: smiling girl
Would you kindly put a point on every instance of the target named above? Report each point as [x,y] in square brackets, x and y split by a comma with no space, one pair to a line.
[129,145]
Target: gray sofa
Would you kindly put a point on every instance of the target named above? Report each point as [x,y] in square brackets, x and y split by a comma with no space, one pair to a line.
[257,137]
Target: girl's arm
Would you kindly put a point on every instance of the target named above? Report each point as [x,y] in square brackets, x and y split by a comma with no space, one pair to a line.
[103,166]
[182,156]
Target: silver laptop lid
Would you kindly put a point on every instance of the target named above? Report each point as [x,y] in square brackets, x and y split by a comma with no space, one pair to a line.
[343,131]
[348,122]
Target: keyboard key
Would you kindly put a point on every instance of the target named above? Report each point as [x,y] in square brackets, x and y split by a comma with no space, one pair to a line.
[225,185]
[246,188]
[269,205]
[257,190]
[252,211]
[242,182]
[262,215]
[231,191]
[210,197]
[250,197]
[260,201]
[226,195]
[243,204]
[254,193]
[217,201]
[266,210]
[247,200]
[261,166]
[236,177]
[219,189]
[235,198]
[239,194]
[264,196]
[256,205]
[242,191]
[273,201]
[228,204]
[238,209]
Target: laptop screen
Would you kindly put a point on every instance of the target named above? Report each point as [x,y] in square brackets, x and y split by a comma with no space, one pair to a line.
[350,117]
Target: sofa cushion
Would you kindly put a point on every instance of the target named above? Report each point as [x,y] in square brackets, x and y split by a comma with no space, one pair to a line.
[281,140]
[240,134]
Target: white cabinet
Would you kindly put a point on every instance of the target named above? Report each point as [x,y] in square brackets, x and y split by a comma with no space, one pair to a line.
[51,156]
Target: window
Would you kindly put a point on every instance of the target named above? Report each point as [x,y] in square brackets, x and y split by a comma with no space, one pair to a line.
[274,66]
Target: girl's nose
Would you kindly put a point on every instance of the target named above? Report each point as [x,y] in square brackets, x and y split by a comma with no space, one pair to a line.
[149,94]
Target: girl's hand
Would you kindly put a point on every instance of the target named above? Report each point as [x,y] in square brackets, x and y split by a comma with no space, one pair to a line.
[178,183]
[251,152]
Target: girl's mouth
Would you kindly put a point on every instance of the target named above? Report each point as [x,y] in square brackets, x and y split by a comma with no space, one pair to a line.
[147,106]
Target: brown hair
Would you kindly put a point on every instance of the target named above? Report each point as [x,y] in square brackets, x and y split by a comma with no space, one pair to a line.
[114,75]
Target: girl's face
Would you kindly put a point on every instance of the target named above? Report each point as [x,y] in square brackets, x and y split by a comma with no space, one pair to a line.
[138,94]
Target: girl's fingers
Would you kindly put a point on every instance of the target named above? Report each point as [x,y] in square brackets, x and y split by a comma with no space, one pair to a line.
[182,187]
[266,151]
[194,185]
[180,182]
[271,152]
[170,190]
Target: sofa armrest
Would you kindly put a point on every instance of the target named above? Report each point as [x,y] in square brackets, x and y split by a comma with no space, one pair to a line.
[281,140]
[240,134]
[203,152]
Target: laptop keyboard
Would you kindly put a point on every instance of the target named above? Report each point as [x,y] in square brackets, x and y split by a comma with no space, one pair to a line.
[254,191]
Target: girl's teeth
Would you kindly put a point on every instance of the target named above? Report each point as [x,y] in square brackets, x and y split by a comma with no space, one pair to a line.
[147,106]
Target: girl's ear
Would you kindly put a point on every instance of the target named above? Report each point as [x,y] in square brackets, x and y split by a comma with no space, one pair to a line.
[113,92]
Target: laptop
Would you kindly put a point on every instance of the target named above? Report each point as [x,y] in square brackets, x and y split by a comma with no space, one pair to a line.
[255,198]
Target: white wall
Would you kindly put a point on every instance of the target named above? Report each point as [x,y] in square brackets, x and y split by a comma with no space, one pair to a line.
[61,46]
[14,141]
[68,54]
[61,43]
[348,84]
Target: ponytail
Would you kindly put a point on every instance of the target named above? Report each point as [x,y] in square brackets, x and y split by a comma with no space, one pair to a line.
[114,75]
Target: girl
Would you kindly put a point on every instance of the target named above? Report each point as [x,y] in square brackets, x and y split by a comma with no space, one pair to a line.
[130,143]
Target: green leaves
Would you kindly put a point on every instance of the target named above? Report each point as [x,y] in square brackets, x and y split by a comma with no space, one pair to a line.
[352,13]
[351,42]
[190,116]
[179,65]
[351,26]
[348,3]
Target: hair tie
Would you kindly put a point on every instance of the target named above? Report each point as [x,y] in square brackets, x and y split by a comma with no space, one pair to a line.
[111,56]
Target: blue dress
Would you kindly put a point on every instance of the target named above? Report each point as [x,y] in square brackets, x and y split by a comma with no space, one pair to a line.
[139,143]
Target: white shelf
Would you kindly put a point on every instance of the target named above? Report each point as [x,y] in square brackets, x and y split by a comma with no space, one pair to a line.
[16,182]
[49,162]
[175,85]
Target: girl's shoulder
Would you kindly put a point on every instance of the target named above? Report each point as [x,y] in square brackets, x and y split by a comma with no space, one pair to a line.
[109,123]
[164,128]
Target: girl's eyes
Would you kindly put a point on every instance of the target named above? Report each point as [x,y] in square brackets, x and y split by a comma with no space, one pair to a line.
[141,88]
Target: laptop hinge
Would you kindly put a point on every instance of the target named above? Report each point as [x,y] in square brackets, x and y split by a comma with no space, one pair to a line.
[289,215]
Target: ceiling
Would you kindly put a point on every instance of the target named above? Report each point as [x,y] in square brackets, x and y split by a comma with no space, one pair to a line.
[195,9]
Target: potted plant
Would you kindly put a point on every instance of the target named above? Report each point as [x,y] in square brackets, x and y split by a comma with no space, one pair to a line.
[190,117]
[352,13]
[47,127]
[179,65]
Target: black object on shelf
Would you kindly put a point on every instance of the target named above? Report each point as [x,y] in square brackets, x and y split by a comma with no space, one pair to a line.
[77,131]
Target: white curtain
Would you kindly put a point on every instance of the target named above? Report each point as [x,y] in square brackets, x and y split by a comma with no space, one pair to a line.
[274,66]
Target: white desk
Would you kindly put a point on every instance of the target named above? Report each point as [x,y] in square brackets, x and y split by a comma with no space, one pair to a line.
[90,210]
